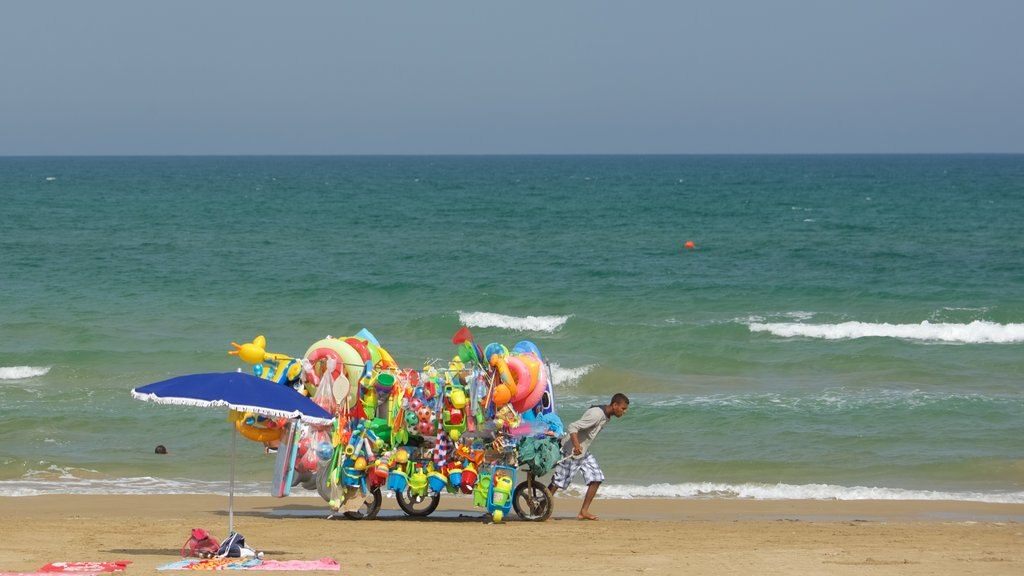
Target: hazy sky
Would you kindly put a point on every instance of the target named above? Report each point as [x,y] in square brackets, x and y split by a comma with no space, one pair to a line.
[523,77]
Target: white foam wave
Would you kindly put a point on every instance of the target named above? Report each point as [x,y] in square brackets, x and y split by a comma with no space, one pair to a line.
[795,492]
[22,372]
[977,332]
[567,377]
[148,485]
[516,323]
[68,484]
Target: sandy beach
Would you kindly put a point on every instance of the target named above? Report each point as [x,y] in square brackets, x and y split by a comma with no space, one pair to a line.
[655,536]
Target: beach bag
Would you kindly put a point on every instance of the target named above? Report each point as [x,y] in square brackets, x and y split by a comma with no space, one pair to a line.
[234,547]
[200,543]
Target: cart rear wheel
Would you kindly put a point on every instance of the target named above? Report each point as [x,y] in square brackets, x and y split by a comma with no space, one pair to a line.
[323,471]
[369,508]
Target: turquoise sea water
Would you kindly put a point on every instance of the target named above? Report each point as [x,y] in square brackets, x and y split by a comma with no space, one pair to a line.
[846,327]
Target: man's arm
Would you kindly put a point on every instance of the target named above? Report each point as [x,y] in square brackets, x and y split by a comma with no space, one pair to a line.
[589,419]
[576,448]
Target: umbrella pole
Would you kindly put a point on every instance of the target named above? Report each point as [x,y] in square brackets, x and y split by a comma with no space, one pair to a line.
[231,483]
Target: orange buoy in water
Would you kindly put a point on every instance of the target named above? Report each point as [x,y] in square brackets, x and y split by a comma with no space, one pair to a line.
[690,245]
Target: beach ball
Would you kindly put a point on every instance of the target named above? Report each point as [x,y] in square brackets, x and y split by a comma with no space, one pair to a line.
[424,414]
[495,348]
[325,450]
[411,418]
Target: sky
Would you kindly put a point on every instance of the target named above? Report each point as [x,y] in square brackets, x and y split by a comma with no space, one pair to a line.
[198,77]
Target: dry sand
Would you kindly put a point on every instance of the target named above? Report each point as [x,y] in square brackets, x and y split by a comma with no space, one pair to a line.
[654,536]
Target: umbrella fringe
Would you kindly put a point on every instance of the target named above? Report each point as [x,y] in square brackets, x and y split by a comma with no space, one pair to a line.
[262,411]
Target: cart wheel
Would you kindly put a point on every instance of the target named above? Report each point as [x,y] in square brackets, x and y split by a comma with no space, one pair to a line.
[417,505]
[532,501]
[370,507]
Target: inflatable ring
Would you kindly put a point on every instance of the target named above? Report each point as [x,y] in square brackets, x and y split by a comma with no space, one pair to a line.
[257,433]
[315,356]
[378,356]
[521,372]
[540,372]
[350,363]
[360,346]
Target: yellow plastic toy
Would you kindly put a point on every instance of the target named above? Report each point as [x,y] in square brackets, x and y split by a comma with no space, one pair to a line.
[277,367]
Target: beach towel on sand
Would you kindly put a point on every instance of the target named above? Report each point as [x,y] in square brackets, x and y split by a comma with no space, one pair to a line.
[251,564]
[211,564]
[89,567]
[44,573]
[321,564]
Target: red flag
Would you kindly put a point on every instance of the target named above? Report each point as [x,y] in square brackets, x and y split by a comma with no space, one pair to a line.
[462,336]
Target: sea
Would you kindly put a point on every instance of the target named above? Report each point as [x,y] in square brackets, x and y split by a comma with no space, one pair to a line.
[786,327]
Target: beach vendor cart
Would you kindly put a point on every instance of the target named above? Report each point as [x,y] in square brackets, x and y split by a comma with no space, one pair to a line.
[475,426]
[429,450]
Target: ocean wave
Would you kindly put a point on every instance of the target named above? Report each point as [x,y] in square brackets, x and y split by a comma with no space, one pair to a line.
[22,372]
[976,332]
[148,485]
[829,400]
[754,491]
[143,485]
[568,377]
[797,315]
[520,324]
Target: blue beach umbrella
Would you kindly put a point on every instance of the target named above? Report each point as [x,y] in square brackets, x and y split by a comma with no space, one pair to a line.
[237,391]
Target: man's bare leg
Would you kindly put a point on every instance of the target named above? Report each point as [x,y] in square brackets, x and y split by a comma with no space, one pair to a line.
[587,499]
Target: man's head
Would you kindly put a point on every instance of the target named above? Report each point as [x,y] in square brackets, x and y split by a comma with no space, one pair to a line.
[619,405]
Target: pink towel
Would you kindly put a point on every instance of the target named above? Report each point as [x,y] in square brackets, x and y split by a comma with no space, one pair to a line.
[321,564]
[89,567]
[43,574]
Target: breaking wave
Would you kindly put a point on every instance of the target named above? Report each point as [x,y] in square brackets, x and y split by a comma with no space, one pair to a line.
[22,372]
[567,377]
[691,490]
[976,332]
[126,486]
[548,324]
[797,492]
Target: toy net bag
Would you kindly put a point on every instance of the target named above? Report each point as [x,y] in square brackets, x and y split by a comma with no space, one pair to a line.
[200,543]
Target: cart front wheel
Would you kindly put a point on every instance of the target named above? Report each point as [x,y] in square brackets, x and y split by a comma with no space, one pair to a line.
[414,505]
[532,501]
